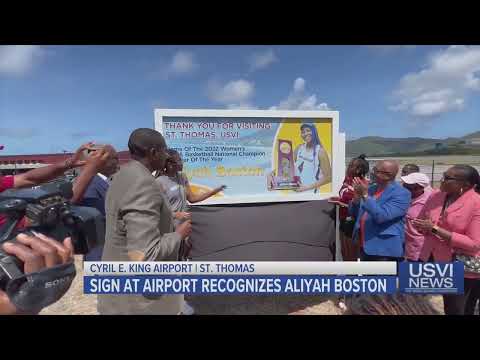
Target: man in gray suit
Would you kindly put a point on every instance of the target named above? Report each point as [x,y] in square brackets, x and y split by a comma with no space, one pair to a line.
[139,224]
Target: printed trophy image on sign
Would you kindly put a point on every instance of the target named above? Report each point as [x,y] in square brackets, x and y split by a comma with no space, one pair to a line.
[285,171]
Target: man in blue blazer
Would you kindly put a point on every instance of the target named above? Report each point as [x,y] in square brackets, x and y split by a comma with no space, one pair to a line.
[380,211]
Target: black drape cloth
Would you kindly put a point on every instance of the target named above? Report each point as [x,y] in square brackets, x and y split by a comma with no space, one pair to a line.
[293,231]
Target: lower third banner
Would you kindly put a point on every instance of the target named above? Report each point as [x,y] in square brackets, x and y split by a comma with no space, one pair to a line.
[253,284]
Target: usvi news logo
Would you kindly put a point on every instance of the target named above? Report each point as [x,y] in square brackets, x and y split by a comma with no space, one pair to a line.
[431,278]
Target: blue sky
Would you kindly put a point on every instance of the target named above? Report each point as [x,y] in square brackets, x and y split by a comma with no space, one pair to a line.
[53,98]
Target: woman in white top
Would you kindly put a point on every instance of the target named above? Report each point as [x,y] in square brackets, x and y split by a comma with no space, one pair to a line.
[177,188]
[178,192]
[311,161]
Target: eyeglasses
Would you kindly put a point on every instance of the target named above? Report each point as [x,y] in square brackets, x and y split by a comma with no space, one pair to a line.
[448,178]
[376,171]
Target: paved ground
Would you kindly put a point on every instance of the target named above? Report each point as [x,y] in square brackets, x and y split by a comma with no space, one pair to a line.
[76,303]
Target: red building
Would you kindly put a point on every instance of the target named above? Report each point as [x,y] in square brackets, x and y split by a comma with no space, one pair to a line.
[11,164]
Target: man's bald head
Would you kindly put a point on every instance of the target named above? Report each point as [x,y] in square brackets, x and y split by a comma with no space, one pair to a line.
[391,165]
[386,171]
[149,147]
[142,140]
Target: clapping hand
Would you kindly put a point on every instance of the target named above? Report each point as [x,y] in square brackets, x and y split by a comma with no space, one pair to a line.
[360,187]
[423,225]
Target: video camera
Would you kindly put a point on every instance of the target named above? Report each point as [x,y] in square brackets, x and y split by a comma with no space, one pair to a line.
[47,211]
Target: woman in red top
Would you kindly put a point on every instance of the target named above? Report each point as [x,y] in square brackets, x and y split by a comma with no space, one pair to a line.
[358,167]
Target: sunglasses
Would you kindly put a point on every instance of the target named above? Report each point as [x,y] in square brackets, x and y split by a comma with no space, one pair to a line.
[450,178]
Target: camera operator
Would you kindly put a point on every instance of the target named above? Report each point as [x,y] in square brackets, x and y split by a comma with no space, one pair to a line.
[41,175]
[37,253]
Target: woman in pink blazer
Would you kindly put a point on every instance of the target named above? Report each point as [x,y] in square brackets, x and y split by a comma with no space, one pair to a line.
[450,221]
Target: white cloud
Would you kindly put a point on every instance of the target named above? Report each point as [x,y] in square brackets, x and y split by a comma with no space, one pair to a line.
[262,60]
[19,59]
[242,106]
[235,94]
[442,86]
[183,62]
[299,85]
[238,94]
[298,99]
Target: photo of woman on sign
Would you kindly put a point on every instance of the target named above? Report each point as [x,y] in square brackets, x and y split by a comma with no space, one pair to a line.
[312,164]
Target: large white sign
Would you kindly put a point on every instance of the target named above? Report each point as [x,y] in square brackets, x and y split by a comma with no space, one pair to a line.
[260,155]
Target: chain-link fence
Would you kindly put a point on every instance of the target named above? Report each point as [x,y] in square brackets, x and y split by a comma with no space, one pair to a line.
[437,168]
[434,167]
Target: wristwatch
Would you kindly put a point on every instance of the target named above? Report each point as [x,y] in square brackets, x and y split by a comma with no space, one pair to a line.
[365,196]
[435,230]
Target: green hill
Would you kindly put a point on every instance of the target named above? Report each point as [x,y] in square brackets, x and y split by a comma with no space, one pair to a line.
[380,146]
[475,135]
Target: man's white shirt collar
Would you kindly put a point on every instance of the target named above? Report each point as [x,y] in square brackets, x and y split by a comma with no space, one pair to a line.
[103,177]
